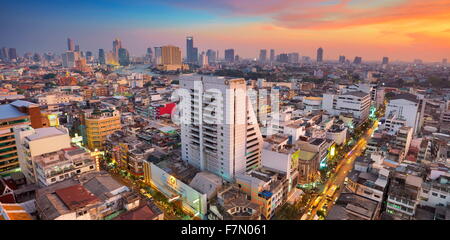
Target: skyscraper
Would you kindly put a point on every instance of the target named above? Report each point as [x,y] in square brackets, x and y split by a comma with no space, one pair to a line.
[320,55]
[195,55]
[283,58]
[190,49]
[158,55]
[341,59]
[149,54]
[124,57]
[293,57]
[70,45]
[101,56]
[229,55]
[77,48]
[272,55]
[263,55]
[170,58]
[203,59]
[5,54]
[12,54]
[224,137]
[385,60]
[358,60]
[211,54]
[444,61]
[69,59]
[117,44]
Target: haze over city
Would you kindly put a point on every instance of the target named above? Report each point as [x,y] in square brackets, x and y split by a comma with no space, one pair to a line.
[401,29]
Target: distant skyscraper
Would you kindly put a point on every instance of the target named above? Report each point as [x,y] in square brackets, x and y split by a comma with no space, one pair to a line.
[89,57]
[341,59]
[358,60]
[124,57]
[272,55]
[101,56]
[171,55]
[77,48]
[5,54]
[158,55]
[320,55]
[195,55]
[12,54]
[283,58]
[70,45]
[203,59]
[444,61]
[69,59]
[236,58]
[211,54]
[263,55]
[190,49]
[149,54]
[229,55]
[117,44]
[385,60]
[293,57]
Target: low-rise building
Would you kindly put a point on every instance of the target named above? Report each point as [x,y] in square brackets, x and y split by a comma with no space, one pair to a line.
[267,188]
[57,166]
[90,196]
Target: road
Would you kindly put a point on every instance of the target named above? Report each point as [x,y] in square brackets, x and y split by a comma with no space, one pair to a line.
[342,170]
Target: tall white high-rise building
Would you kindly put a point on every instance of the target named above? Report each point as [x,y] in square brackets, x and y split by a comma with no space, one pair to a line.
[219,129]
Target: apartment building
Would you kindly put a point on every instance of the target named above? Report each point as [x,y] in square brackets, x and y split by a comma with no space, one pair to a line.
[57,166]
[59,98]
[403,195]
[99,124]
[15,114]
[219,129]
[280,156]
[403,138]
[35,142]
[266,187]
[356,103]
[402,110]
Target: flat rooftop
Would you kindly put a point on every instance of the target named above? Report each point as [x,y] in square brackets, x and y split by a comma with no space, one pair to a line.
[41,133]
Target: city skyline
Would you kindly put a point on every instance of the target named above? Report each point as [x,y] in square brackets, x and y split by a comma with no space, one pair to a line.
[402,30]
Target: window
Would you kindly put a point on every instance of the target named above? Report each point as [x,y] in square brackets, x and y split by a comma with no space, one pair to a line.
[434,194]
[442,196]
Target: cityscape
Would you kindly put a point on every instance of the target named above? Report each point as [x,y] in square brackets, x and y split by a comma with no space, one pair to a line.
[319,120]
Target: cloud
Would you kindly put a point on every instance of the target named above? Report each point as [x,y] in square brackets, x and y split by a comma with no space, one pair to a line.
[325,14]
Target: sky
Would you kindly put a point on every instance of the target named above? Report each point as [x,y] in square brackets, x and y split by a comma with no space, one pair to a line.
[400,29]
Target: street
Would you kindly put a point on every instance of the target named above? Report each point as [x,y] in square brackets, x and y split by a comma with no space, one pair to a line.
[337,179]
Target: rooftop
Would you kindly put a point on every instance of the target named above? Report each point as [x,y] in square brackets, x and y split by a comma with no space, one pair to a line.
[147,211]
[8,111]
[76,196]
[41,133]
[360,94]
